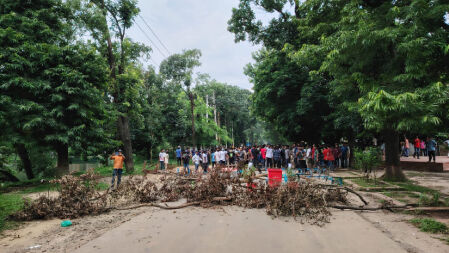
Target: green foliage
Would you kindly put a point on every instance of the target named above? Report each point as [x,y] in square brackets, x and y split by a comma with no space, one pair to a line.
[290,174]
[178,68]
[430,225]
[285,95]
[233,111]
[367,159]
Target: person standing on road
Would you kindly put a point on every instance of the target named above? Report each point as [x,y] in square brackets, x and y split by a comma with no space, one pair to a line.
[166,159]
[205,162]
[162,160]
[423,148]
[287,156]
[263,152]
[344,155]
[212,158]
[277,157]
[431,148]
[337,154]
[406,146]
[417,144]
[330,157]
[269,156]
[178,155]
[118,167]
[186,160]
[196,161]
[223,155]
[309,160]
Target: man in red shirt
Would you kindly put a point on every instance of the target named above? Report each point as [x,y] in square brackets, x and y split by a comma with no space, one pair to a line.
[417,144]
[330,157]
[325,155]
[263,152]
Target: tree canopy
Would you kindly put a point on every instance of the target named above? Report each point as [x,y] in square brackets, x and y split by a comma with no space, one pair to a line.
[358,68]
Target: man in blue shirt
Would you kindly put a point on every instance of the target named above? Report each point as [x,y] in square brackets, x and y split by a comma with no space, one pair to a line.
[431,148]
[178,155]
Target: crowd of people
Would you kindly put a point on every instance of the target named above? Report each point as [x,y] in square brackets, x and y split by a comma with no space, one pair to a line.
[421,148]
[298,156]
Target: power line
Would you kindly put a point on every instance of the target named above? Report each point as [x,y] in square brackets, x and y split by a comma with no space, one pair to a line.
[148,37]
[155,35]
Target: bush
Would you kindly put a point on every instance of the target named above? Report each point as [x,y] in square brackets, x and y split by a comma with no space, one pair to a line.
[367,159]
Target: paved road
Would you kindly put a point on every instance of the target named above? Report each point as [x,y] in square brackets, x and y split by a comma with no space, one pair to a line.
[234,230]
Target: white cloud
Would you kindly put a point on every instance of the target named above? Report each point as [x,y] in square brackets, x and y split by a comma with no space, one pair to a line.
[186,24]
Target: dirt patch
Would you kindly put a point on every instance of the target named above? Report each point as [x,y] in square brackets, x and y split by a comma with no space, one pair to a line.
[436,181]
[49,236]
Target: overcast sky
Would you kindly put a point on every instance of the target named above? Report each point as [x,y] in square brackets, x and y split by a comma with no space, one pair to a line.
[187,24]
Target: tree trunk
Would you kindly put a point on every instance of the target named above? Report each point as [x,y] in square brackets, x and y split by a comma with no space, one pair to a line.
[192,108]
[393,170]
[25,158]
[125,136]
[62,167]
[123,121]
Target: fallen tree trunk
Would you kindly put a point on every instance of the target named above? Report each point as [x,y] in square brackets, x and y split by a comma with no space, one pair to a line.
[167,207]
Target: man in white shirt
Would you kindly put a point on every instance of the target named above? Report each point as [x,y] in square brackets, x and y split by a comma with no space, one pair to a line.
[205,162]
[162,159]
[269,156]
[196,160]
[309,157]
[223,156]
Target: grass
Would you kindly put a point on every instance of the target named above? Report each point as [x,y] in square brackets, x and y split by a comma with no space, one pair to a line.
[403,197]
[411,186]
[430,225]
[9,204]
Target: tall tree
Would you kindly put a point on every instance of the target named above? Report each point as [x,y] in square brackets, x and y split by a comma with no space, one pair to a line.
[120,53]
[50,87]
[289,93]
[178,69]
[393,53]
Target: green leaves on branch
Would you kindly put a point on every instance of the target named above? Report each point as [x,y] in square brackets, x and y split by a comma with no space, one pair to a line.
[409,112]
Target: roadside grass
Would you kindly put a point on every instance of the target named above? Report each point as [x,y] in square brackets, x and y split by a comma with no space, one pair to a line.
[430,225]
[9,204]
[403,197]
[407,192]
[413,187]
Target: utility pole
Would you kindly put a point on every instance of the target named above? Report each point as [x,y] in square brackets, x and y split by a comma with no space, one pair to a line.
[207,106]
[215,113]
[232,133]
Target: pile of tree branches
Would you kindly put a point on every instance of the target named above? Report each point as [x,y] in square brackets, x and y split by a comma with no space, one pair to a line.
[79,196]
